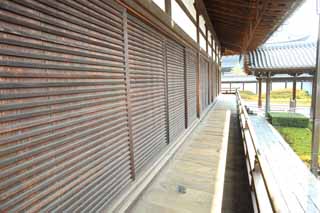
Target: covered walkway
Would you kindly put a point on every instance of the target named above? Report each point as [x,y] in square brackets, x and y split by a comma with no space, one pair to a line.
[193,180]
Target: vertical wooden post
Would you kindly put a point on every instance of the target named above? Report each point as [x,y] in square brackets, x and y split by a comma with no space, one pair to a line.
[198,61]
[268,89]
[242,86]
[216,66]
[316,114]
[166,89]
[285,84]
[293,102]
[185,90]
[212,70]
[301,85]
[207,40]
[219,75]
[168,7]
[294,88]
[128,96]
[260,92]
[313,90]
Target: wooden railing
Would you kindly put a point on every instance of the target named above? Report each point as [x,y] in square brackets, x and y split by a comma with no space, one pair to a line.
[264,192]
[229,91]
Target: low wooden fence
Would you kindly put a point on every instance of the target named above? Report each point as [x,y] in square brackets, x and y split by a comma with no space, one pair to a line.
[263,194]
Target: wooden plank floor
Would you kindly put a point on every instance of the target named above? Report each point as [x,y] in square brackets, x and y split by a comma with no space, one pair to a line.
[299,189]
[194,167]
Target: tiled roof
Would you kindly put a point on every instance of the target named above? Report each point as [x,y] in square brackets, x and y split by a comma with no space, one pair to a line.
[284,57]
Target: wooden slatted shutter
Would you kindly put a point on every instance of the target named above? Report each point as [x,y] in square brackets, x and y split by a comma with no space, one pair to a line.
[147,79]
[204,83]
[191,88]
[64,120]
[176,90]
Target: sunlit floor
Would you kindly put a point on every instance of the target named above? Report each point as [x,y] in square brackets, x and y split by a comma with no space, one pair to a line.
[187,183]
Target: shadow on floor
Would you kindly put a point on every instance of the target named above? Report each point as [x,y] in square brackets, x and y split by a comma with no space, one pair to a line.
[237,196]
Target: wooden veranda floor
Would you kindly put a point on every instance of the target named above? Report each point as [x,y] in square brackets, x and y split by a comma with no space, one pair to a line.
[294,187]
[194,170]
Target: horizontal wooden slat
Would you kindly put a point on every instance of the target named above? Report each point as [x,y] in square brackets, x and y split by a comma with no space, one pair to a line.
[64,134]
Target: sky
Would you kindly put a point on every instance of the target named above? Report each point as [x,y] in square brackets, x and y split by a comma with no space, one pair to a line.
[303,23]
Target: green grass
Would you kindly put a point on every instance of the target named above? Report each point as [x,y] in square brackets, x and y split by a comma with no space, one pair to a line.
[300,141]
[281,96]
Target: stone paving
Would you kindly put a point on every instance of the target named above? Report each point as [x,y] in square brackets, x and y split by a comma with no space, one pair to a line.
[187,183]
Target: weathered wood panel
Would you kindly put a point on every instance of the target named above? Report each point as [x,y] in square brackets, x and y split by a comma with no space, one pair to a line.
[147,91]
[176,88]
[64,122]
[191,85]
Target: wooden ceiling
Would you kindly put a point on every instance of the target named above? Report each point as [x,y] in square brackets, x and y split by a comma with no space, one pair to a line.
[243,25]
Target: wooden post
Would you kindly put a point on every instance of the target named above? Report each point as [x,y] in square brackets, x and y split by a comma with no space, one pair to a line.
[259,93]
[168,7]
[128,99]
[312,97]
[316,114]
[268,89]
[207,41]
[242,86]
[185,91]
[198,61]
[294,88]
[212,70]
[294,94]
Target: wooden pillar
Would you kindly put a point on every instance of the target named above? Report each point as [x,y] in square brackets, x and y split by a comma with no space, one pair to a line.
[312,97]
[207,40]
[268,90]
[198,62]
[230,87]
[294,88]
[128,97]
[316,114]
[260,93]
[168,7]
[242,86]
[301,85]
[212,70]
[286,85]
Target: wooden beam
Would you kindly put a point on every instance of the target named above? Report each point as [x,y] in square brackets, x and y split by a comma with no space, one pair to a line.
[168,7]
[234,3]
[207,40]
[260,12]
[202,10]
[186,11]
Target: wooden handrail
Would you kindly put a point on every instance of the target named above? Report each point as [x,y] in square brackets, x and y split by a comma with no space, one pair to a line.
[229,91]
[266,196]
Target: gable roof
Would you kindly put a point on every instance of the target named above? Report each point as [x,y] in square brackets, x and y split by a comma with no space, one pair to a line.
[291,57]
